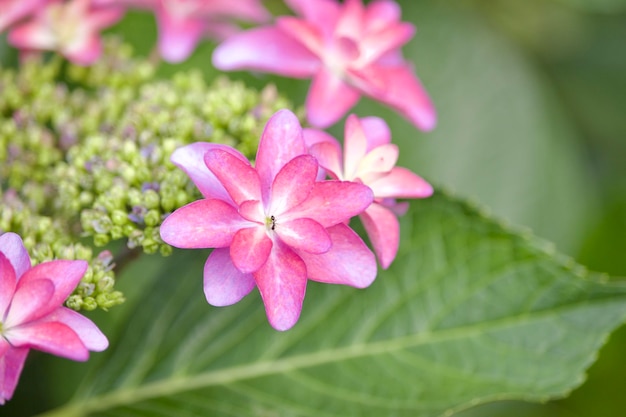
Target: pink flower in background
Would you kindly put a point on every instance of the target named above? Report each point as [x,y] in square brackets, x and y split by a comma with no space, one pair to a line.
[12,11]
[71,28]
[183,23]
[273,225]
[370,157]
[348,49]
[32,315]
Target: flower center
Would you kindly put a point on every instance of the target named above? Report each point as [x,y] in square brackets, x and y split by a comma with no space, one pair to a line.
[270,222]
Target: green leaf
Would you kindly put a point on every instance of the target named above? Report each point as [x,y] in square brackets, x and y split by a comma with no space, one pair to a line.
[469,312]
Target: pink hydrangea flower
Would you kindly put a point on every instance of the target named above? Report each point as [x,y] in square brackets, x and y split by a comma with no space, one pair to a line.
[274,226]
[12,11]
[32,315]
[71,28]
[348,49]
[370,157]
[183,23]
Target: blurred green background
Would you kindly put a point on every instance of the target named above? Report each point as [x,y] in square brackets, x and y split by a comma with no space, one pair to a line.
[531,97]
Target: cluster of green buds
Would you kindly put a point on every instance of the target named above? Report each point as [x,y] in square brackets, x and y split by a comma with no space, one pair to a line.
[84,153]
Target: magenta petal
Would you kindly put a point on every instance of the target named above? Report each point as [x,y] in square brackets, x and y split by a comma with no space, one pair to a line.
[266,49]
[178,36]
[51,337]
[11,365]
[8,281]
[401,183]
[329,157]
[85,51]
[304,234]
[190,159]
[381,13]
[250,248]
[280,142]
[30,302]
[322,13]
[378,43]
[377,132]
[87,331]
[223,283]
[282,284]
[329,99]
[13,248]
[202,224]
[238,177]
[333,202]
[293,184]
[349,261]
[383,229]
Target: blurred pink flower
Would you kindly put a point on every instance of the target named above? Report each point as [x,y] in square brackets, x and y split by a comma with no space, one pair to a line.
[183,23]
[273,225]
[349,50]
[370,157]
[12,11]
[71,28]
[32,315]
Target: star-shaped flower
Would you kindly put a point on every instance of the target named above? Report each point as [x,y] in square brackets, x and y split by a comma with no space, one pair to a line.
[370,157]
[32,315]
[348,49]
[273,225]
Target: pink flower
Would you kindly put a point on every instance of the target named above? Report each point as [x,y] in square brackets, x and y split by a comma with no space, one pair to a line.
[370,157]
[273,225]
[32,315]
[71,28]
[183,23]
[14,10]
[348,49]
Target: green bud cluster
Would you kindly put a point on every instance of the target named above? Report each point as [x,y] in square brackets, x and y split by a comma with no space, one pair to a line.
[84,153]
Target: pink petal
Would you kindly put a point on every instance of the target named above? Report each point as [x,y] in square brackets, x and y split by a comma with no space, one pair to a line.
[401,183]
[398,87]
[333,202]
[13,248]
[87,331]
[378,43]
[282,284]
[266,49]
[8,281]
[250,10]
[14,10]
[190,159]
[327,151]
[383,229]
[306,33]
[304,234]
[32,35]
[85,51]
[322,13]
[348,262]
[64,274]
[354,147]
[381,13]
[280,142]
[223,283]
[329,99]
[54,337]
[250,248]
[202,224]
[240,180]
[30,302]
[11,365]
[293,184]
[377,132]
[178,36]
[351,20]
[377,163]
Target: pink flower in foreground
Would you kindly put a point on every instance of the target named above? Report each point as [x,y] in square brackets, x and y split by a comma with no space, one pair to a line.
[273,225]
[11,11]
[32,315]
[370,157]
[183,23]
[71,28]
[348,49]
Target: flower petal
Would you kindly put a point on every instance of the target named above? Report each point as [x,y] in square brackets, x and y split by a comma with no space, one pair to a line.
[87,331]
[377,163]
[202,224]
[250,248]
[280,142]
[223,283]
[178,36]
[8,281]
[354,147]
[239,178]
[266,49]
[377,43]
[381,13]
[329,98]
[13,248]
[52,337]
[328,155]
[306,33]
[377,132]
[30,302]
[383,229]
[304,234]
[333,202]
[11,365]
[401,183]
[349,261]
[293,184]
[282,284]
